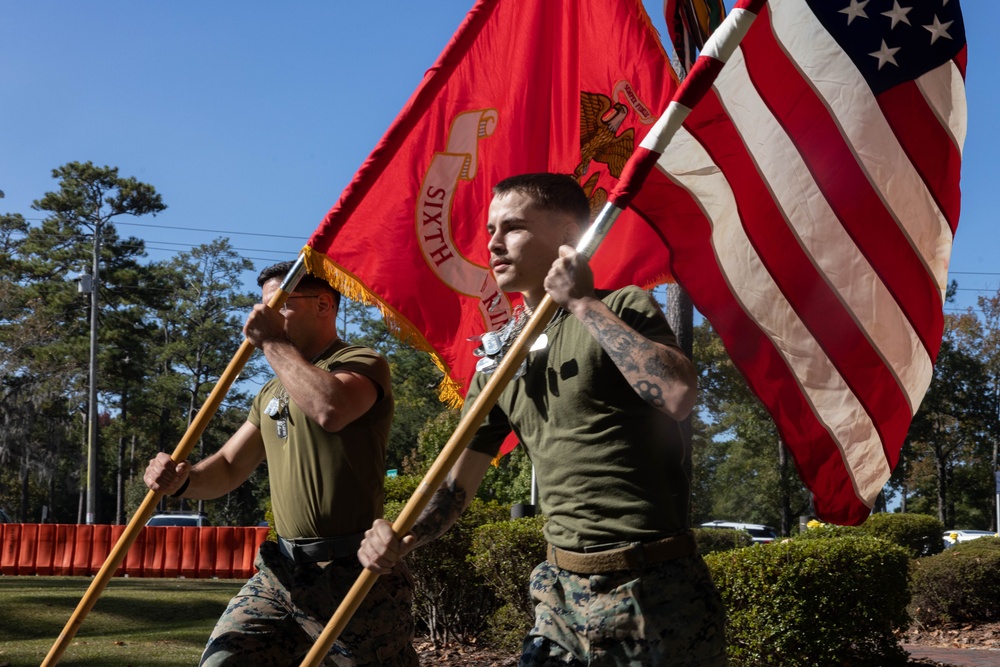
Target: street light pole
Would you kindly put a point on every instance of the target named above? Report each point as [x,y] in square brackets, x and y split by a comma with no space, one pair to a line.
[92,400]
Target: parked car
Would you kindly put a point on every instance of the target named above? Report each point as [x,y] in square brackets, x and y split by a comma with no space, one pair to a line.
[953,537]
[760,533]
[179,519]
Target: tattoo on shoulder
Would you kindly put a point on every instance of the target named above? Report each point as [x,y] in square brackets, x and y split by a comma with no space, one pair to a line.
[441,512]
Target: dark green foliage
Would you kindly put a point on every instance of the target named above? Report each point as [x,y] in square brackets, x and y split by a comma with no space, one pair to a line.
[962,584]
[814,603]
[919,534]
[504,554]
[399,489]
[509,480]
[826,530]
[449,597]
[712,540]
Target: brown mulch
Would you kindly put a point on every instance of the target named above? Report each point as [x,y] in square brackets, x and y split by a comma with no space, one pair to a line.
[952,636]
[985,635]
[462,655]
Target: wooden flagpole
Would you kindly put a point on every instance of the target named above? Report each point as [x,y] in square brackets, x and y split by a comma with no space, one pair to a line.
[181,452]
[716,52]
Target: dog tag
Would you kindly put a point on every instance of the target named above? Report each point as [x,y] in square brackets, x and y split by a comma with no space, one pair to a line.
[272,407]
[540,343]
[486,365]
[282,426]
[491,343]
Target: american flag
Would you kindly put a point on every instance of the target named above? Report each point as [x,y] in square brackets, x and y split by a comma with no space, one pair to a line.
[809,203]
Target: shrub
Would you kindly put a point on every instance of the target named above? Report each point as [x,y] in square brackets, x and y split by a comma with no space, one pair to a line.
[504,554]
[400,489]
[919,534]
[449,597]
[814,603]
[962,584]
[826,530]
[713,540]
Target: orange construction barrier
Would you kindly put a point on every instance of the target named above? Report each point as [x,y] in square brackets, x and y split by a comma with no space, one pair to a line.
[225,552]
[173,548]
[207,539]
[81,551]
[189,552]
[223,566]
[11,537]
[62,559]
[46,551]
[29,548]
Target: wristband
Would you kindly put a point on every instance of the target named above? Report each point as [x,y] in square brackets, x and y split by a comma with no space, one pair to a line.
[179,492]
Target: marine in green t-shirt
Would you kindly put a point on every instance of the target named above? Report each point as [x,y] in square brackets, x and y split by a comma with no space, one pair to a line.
[598,409]
[322,424]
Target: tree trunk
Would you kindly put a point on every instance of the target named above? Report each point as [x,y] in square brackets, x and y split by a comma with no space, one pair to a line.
[785,500]
[680,317]
[120,463]
[942,479]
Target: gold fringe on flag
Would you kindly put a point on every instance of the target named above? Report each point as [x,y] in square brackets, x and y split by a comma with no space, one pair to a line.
[351,287]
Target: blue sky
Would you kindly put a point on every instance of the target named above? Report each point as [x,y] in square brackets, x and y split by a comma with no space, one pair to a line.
[250,118]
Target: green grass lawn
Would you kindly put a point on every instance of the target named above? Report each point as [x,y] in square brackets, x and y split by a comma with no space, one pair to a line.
[135,622]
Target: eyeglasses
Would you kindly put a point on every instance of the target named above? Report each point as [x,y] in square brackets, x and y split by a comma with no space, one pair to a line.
[299,296]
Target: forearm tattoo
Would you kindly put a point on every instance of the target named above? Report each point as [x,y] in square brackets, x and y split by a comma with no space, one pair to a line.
[644,365]
[442,511]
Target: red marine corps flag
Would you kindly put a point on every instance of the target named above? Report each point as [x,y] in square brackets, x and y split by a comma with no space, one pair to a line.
[569,86]
[809,202]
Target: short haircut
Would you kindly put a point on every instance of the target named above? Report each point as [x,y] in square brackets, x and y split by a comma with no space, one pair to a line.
[281,269]
[550,192]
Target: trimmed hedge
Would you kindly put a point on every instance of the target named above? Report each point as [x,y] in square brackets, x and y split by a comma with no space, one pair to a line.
[504,555]
[919,534]
[814,603]
[713,540]
[449,598]
[960,585]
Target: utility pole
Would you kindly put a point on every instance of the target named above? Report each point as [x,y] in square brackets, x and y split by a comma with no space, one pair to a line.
[92,400]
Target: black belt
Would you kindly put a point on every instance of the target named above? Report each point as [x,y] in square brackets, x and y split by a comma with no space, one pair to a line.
[624,556]
[319,549]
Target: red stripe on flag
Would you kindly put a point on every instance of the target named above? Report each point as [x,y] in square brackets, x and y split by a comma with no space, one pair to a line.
[688,234]
[846,187]
[698,81]
[962,60]
[936,159]
[810,296]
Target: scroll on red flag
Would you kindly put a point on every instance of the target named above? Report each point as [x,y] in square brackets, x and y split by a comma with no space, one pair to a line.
[569,86]
[809,202]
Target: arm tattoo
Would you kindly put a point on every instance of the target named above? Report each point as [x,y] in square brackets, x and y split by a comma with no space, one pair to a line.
[441,512]
[643,365]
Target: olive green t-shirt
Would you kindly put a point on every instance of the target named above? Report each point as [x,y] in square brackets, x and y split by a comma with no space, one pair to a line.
[608,465]
[327,484]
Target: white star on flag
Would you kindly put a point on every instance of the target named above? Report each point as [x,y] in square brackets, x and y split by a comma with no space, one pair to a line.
[885,55]
[938,29]
[854,10]
[898,14]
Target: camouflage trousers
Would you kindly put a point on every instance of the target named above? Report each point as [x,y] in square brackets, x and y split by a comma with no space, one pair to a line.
[668,614]
[277,616]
